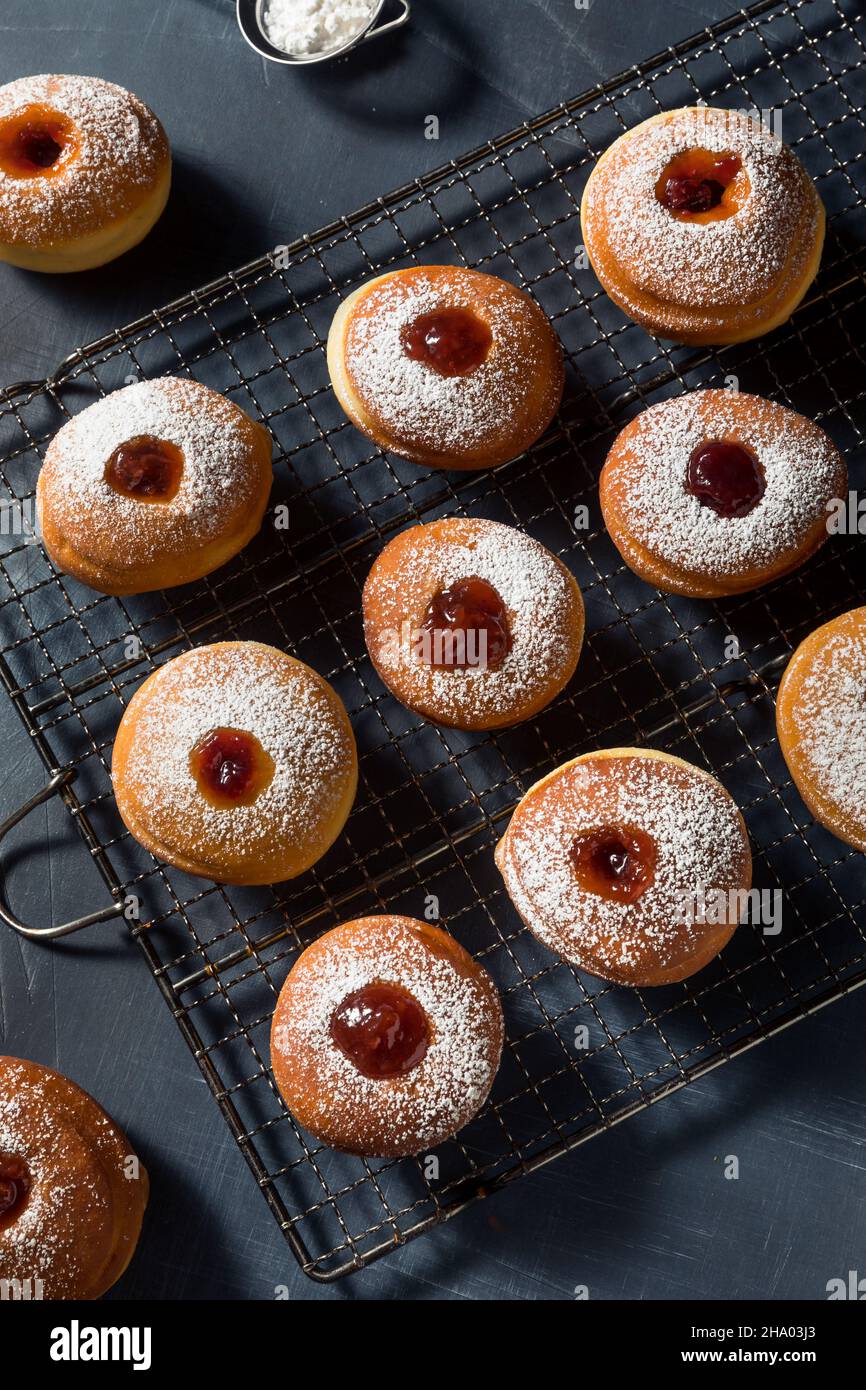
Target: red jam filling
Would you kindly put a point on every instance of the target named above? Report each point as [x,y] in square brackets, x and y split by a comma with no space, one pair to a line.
[466,625]
[231,767]
[454,342]
[37,146]
[145,468]
[698,184]
[14,1188]
[616,862]
[33,141]
[381,1029]
[726,477]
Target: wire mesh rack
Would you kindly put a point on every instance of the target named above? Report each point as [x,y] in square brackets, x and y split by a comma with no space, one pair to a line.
[581,1055]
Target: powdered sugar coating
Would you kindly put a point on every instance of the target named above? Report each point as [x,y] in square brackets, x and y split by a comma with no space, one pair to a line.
[825,722]
[733,261]
[644,494]
[121,153]
[220,480]
[66,1235]
[399,1114]
[298,720]
[516,389]
[700,844]
[542,602]
[315,26]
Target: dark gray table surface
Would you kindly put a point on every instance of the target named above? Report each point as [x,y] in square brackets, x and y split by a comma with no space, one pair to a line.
[264,154]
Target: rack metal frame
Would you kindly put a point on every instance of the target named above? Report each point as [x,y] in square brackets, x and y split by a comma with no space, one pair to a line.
[581,1055]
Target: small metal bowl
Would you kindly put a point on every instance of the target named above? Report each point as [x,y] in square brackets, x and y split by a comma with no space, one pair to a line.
[249,16]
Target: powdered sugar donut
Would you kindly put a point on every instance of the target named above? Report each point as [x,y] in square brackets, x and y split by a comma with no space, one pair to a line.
[703,226]
[717,492]
[629,863]
[71,1199]
[235,762]
[386,1037]
[447,367]
[820,724]
[85,170]
[471,623]
[154,485]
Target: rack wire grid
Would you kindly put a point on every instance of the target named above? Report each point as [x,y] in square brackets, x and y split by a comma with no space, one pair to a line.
[656,670]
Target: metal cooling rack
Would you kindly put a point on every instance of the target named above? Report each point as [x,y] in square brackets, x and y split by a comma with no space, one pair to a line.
[655,669]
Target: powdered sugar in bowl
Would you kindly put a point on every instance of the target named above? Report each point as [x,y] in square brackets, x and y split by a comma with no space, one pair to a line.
[299,32]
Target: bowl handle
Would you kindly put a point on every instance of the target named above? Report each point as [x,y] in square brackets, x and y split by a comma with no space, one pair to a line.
[59,781]
[396,23]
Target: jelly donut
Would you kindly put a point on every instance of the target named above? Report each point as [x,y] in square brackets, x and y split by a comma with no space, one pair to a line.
[155,485]
[472,624]
[235,762]
[386,1037]
[85,169]
[703,226]
[819,719]
[72,1192]
[629,863]
[445,366]
[717,492]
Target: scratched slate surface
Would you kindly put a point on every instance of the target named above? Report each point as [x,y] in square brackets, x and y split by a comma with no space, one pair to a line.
[263,155]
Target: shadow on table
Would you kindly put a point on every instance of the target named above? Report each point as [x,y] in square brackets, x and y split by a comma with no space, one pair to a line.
[347,84]
[204,231]
[569,1224]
